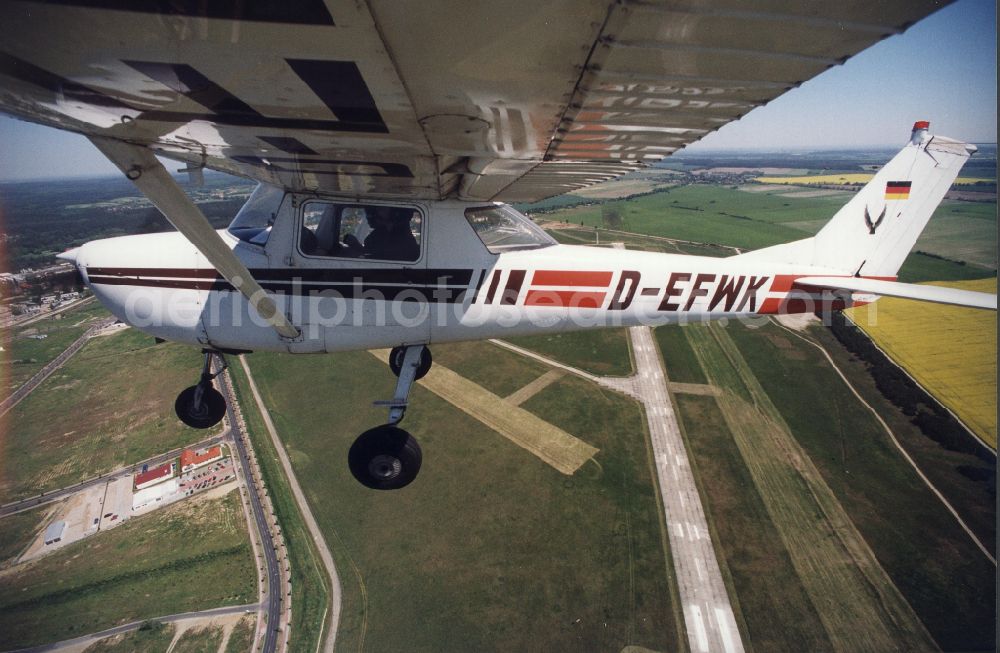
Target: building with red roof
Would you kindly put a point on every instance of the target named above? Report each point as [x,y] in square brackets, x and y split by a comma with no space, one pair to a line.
[154,475]
[191,458]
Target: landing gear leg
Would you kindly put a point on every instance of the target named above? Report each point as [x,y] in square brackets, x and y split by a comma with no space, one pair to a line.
[202,406]
[387,457]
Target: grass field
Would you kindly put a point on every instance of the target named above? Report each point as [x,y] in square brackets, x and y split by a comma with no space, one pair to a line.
[155,638]
[309,580]
[769,598]
[24,355]
[944,577]
[603,352]
[497,369]
[97,413]
[951,351]
[17,531]
[189,556]
[678,357]
[857,603]
[490,548]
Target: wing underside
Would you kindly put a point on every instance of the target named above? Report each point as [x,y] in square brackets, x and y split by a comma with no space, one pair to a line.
[512,101]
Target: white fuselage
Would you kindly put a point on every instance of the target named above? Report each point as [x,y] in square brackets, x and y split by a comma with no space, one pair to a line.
[457,290]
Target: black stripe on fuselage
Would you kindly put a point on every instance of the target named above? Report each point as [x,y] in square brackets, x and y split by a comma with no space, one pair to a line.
[434,286]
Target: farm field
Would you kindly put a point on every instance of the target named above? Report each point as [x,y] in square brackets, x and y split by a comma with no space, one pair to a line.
[490,548]
[192,555]
[951,351]
[96,413]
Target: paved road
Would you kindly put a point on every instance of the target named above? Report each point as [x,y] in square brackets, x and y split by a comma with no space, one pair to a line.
[300,498]
[124,628]
[44,373]
[708,613]
[62,493]
[267,543]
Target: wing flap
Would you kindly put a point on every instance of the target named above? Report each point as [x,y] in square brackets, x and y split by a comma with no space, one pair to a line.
[936,294]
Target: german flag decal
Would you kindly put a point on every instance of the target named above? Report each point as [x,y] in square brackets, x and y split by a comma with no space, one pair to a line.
[897,190]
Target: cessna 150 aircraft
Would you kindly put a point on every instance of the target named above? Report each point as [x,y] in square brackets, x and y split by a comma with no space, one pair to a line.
[386,137]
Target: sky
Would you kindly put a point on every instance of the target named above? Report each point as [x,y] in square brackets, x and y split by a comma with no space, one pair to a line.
[943,69]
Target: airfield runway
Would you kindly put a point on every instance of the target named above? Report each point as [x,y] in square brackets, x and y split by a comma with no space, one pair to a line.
[708,613]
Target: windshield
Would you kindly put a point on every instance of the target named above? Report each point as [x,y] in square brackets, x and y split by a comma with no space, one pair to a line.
[503,229]
[253,223]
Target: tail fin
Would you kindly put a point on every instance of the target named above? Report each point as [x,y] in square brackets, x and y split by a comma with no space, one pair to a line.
[873,233]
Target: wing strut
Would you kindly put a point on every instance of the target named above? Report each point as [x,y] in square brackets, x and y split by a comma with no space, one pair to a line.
[150,177]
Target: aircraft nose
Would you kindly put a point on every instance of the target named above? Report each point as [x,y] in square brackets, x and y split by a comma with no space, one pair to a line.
[69,255]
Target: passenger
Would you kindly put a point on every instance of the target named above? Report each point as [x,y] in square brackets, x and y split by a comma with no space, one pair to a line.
[391,238]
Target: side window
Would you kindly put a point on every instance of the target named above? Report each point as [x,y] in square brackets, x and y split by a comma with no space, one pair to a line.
[379,232]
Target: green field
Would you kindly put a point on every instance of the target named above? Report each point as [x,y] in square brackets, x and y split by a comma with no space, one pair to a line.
[190,556]
[767,594]
[24,355]
[603,352]
[309,580]
[97,413]
[678,357]
[947,581]
[490,548]
[961,234]
[17,531]
[497,369]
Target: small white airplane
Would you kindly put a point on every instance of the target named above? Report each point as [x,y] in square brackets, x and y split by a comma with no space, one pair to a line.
[385,157]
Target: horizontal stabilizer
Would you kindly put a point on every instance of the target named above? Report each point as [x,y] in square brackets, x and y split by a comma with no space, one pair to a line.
[920,292]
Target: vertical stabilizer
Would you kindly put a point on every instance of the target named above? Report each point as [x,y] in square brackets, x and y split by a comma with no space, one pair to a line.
[874,232]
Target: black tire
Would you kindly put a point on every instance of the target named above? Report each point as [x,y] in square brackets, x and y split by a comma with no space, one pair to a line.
[213,408]
[385,458]
[397,355]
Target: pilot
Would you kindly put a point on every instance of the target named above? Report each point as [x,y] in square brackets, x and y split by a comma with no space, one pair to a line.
[391,238]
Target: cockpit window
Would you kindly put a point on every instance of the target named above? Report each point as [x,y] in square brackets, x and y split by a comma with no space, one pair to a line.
[386,233]
[502,229]
[253,223]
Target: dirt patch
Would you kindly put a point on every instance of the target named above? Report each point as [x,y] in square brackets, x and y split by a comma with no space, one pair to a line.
[553,445]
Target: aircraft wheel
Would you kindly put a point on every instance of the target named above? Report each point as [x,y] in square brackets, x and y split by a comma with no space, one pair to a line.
[385,458]
[213,407]
[396,361]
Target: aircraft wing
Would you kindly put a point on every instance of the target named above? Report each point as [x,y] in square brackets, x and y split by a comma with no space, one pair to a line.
[920,292]
[514,101]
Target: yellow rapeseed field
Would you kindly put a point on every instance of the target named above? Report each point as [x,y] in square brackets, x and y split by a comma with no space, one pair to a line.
[951,351]
[849,178]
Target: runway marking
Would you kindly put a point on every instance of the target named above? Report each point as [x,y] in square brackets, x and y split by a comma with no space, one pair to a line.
[699,628]
[727,638]
[679,529]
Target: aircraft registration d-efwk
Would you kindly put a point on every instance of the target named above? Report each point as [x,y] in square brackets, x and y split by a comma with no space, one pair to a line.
[387,137]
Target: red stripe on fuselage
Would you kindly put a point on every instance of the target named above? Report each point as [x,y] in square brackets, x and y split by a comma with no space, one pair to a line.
[565,298]
[571,278]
